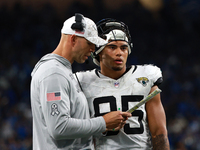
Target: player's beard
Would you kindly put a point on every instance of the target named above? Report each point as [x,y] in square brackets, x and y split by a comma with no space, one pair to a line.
[117,68]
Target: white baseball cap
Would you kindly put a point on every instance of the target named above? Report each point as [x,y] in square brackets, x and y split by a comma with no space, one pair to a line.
[89,31]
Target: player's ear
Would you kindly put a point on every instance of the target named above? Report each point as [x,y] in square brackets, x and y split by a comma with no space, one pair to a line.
[100,56]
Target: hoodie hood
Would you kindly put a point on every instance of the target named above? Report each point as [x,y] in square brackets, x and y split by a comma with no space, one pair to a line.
[49,57]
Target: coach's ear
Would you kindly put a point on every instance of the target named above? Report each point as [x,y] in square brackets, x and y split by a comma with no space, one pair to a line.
[73,39]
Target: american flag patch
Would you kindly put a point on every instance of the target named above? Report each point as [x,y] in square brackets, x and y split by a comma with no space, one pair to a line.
[53,96]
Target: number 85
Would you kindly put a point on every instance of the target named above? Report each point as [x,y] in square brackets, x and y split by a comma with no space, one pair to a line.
[113,107]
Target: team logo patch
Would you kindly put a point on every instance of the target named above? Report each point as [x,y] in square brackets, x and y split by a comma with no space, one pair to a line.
[54,109]
[116,84]
[143,80]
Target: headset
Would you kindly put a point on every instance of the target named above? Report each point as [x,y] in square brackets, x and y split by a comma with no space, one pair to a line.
[78,25]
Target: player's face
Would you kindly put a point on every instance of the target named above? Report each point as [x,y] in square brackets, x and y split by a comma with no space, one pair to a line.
[114,55]
[83,49]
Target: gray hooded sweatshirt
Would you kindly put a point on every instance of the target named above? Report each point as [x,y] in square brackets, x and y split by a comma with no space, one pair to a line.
[61,119]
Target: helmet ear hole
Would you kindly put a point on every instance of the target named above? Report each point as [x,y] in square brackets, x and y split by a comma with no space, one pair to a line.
[104,37]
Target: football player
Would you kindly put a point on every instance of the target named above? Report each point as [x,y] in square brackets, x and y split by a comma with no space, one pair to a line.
[118,87]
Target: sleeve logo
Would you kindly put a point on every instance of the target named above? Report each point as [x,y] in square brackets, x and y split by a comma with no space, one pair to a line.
[54,109]
[143,80]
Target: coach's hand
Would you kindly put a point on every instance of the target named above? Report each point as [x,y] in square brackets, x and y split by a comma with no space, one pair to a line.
[116,119]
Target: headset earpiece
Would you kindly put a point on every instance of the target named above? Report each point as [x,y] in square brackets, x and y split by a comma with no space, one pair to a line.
[78,25]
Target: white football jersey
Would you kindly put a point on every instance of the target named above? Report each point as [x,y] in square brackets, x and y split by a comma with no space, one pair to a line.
[105,95]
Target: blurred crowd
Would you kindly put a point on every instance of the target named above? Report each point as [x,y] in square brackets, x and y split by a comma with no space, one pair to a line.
[168,37]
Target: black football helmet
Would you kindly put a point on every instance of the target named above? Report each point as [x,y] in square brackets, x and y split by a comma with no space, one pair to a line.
[111,30]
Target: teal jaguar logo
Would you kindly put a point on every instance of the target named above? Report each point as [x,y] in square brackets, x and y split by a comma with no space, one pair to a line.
[143,80]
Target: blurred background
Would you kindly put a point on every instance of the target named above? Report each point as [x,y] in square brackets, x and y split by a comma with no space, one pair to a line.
[164,32]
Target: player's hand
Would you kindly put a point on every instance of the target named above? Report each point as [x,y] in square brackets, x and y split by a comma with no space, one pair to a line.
[121,125]
[115,119]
